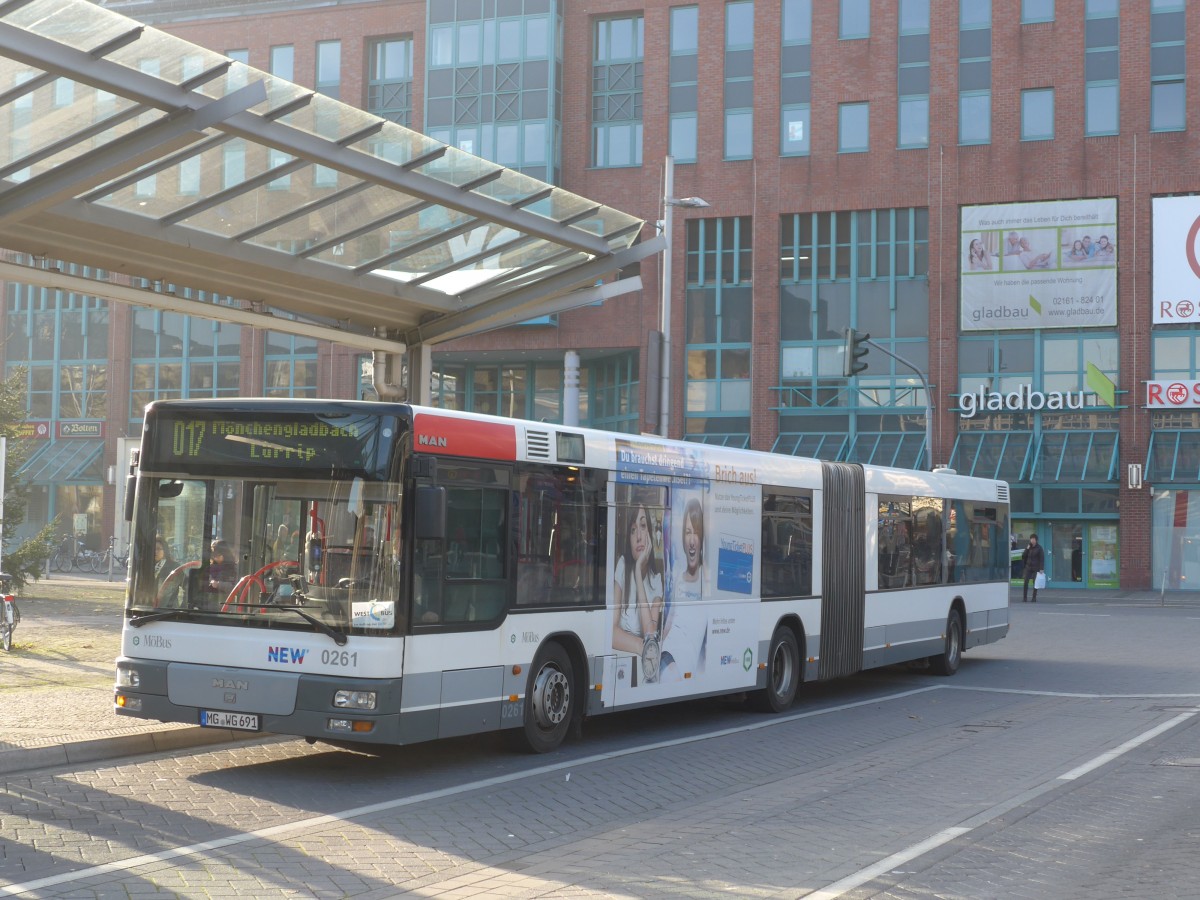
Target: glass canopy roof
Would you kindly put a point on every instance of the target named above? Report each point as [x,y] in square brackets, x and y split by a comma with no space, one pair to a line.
[134,151]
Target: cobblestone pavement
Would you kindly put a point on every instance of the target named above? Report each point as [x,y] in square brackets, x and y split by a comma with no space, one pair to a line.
[863,771]
[56,685]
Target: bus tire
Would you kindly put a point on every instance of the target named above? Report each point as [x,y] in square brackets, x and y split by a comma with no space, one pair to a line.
[947,662]
[783,673]
[549,700]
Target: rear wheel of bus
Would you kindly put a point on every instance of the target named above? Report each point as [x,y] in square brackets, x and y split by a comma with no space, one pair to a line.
[947,662]
[783,673]
[549,700]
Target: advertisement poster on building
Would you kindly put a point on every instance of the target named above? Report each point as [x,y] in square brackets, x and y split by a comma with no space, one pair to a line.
[685,551]
[1103,568]
[1039,265]
[1176,230]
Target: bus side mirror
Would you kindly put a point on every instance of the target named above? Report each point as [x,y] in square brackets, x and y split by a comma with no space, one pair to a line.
[130,485]
[430,522]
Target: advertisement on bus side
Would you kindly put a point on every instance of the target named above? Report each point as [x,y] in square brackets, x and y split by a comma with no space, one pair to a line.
[684,582]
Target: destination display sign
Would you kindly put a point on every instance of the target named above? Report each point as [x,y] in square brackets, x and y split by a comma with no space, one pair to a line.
[245,440]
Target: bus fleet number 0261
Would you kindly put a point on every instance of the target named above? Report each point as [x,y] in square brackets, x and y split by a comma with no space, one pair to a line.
[341,658]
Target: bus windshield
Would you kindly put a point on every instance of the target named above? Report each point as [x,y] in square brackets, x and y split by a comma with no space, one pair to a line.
[317,555]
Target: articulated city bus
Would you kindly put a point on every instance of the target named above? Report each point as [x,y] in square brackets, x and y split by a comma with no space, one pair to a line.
[379,573]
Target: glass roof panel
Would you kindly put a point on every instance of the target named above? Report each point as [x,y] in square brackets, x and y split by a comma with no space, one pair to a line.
[75,23]
[333,219]
[284,175]
[403,232]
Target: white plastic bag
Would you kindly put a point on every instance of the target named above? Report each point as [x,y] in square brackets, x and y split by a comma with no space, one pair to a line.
[1039,581]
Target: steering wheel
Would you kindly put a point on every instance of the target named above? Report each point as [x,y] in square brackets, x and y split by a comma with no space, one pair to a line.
[238,596]
[175,574]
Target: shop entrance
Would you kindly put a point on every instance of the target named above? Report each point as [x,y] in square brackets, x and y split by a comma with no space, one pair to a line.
[1078,554]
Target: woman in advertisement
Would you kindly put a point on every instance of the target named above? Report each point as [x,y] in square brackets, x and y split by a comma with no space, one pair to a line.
[637,576]
[686,624]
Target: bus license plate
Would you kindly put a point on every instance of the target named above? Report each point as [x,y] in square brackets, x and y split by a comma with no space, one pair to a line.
[238,721]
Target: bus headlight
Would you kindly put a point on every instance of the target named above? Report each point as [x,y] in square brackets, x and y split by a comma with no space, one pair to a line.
[354,699]
[128,678]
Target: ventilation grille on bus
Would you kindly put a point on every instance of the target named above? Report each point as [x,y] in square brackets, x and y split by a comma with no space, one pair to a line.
[1002,493]
[537,445]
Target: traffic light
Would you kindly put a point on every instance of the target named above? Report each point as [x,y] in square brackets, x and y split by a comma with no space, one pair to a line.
[853,361]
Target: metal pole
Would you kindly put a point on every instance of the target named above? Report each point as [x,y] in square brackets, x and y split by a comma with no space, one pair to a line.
[664,403]
[928,396]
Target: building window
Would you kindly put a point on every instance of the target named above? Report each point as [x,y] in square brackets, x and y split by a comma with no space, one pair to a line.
[854,19]
[854,131]
[717,323]
[1037,115]
[389,81]
[739,79]
[1101,67]
[912,79]
[329,69]
[795,90]
[617,92]
[1168,66]
[975,72]
[289,366]
[1037,11]
[173,355]
[283,62]
[683,103]
[865,269]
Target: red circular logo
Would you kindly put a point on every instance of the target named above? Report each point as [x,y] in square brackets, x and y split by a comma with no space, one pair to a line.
[1191,247]
[1177,393]
[1184,309]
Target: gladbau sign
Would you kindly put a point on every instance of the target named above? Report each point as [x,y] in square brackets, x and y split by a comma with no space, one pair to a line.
[1023,399]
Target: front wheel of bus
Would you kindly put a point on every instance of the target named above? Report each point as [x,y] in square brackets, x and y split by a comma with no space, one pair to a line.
[946,663]
[783,673]
[549,700]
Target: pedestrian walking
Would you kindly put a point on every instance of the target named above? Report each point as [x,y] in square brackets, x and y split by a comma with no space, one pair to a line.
[1034,559]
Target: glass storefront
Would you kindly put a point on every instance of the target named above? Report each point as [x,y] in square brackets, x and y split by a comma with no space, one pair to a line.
[1174,541]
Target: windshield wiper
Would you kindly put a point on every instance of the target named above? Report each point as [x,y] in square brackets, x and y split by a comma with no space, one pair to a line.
[139,621]
[338,637]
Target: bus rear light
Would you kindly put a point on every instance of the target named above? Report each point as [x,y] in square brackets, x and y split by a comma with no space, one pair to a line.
[354,699]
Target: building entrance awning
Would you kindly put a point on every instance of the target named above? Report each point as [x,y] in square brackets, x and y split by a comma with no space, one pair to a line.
[132,151]
[64,462]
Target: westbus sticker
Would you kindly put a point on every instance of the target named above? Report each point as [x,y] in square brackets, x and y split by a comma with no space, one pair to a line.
[373,614]
[464,437]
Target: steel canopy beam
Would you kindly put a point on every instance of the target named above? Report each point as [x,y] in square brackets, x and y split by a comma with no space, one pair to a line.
[55,279]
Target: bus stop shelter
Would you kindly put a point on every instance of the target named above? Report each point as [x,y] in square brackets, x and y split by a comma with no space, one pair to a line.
[188,176]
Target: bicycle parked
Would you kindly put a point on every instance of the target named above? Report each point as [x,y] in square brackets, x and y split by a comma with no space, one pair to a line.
[11,616]
[73,553]
[110,555]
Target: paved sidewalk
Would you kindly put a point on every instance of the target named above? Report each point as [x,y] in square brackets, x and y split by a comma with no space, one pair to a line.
[56,686]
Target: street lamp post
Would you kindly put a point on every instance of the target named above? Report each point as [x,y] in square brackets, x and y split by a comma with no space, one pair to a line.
[669,204]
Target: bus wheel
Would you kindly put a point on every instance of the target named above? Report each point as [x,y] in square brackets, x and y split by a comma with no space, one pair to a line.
[946,663]
[783,673]
[549,700]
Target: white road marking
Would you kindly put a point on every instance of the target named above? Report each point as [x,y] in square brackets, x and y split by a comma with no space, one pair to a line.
[836,889]
[945,836]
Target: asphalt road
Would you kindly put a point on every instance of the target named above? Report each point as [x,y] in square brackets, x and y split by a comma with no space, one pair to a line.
[1058,763]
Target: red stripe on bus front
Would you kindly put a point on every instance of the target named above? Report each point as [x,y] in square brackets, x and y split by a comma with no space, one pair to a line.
[464,437]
